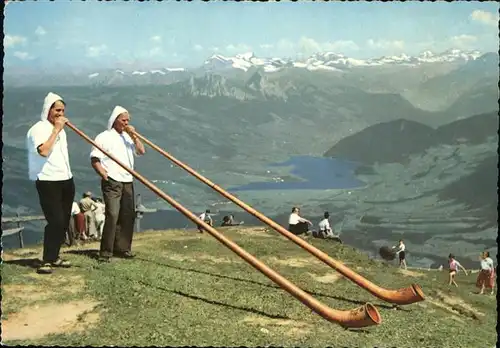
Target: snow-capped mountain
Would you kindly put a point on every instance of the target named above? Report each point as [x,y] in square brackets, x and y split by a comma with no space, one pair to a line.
[331,61]
[124,77]
[244,62]
[118,72]
[428,57]
[328,62]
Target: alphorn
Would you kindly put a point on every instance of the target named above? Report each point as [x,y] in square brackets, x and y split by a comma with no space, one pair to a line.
[403,296]
[363,316]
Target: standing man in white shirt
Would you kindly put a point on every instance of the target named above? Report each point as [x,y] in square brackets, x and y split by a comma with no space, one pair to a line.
[48,163]
[117,184]
[88,208]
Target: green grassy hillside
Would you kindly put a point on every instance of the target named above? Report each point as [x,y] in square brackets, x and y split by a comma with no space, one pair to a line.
[187,289]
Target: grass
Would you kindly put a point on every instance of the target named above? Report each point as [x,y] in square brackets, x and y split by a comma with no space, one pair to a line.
[186,289]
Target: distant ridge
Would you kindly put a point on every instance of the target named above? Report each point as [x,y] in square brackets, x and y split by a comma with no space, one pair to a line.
[394,141]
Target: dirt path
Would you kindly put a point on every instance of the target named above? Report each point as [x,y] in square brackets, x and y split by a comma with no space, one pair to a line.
[38,321]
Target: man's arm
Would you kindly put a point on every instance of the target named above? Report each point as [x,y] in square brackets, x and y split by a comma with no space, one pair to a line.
[39,138]
[95,159]
[139,146]
[305,220]
[462,267]
[99,169]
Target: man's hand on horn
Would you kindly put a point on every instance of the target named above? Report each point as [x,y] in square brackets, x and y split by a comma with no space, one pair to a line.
[130,130]
[59,123]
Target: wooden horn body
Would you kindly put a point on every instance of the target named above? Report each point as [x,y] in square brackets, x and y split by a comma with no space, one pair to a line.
[403,296]
[366,315]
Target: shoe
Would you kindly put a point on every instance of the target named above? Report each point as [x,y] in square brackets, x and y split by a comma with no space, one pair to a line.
[104,259]
[61,263]
[45,268]
[124,255]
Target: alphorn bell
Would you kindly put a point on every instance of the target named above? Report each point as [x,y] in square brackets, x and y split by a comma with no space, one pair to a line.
[363,316]
[403,296]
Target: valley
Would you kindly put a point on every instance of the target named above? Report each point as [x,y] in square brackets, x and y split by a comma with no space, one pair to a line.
[416,162]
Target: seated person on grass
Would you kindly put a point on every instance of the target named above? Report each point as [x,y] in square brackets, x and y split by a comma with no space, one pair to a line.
[325,230]
[228,220]
[296,224]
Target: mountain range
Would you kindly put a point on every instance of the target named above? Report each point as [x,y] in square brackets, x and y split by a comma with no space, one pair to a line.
[331,61]
[324,61]
[465,82]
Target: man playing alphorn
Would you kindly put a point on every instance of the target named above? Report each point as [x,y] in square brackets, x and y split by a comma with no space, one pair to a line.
[48,163]
[117,186]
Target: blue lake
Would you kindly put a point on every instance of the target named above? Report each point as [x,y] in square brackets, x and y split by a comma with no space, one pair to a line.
[315,173]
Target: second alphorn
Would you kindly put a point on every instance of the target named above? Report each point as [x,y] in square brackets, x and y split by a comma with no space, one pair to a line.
[403,296]
[364,316]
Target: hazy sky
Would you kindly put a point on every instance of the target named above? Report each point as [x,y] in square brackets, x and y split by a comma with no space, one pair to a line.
[173,34]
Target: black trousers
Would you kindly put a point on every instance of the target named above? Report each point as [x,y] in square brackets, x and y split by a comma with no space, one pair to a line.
[299,228]
[56,199]
[118,228]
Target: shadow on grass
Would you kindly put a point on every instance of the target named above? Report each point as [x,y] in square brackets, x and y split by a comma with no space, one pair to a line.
[94,254]
[339,298]
[90,253]
[212,302]
[30,263]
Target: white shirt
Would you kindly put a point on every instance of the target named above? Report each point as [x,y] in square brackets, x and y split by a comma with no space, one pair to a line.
[120,146]
[324,225]
[401,247]
[100,211]
[54,167]
[487,264]
[294,219]
[75,209]
[204,216]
